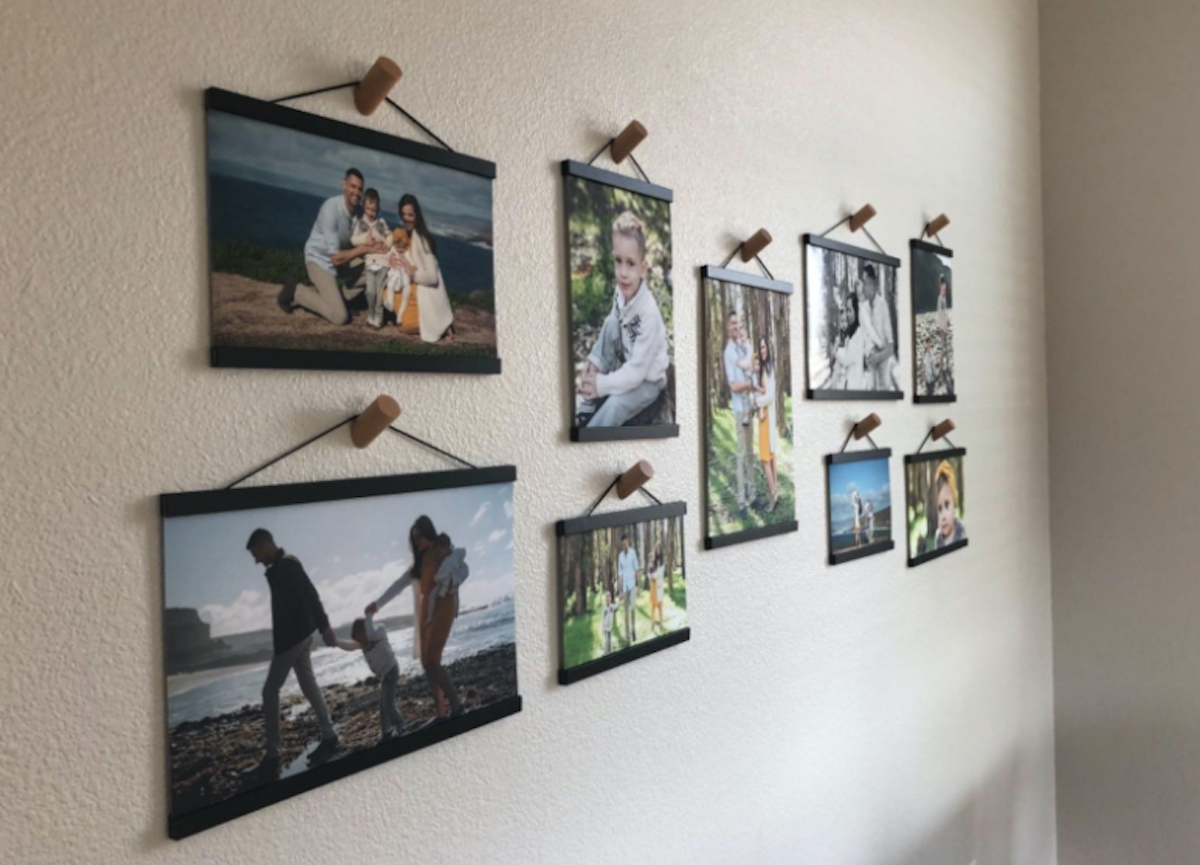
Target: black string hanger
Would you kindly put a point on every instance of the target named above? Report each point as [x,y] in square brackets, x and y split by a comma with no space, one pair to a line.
[372,91]
[857,220]
[750,248]
[941,431]
[622,146]
[863,429]
[627,483]
[367,425]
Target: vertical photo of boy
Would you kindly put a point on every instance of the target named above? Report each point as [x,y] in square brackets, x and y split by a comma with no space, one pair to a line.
[622,339]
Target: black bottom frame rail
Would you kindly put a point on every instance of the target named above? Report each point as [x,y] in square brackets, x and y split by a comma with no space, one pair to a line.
[616,659]
[914,561]
[184,825]
[862,552]
[717,541]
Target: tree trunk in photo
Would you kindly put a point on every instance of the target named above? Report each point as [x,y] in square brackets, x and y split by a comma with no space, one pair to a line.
[582,559]
[669,555]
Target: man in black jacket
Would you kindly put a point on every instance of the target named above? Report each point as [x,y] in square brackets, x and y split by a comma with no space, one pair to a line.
[296,612]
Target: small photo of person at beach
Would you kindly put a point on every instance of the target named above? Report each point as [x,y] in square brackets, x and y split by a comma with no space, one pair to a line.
[933,322]
[622,315]
[323,246]
[851,314]
[289,641]
[620,586]
[748,389]
[934,501]
[860,505]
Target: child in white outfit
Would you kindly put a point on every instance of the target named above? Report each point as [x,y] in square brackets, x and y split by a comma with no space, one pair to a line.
[371,226]
[377,651]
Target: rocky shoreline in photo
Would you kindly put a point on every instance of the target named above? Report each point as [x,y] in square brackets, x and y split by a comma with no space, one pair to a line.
[209,756]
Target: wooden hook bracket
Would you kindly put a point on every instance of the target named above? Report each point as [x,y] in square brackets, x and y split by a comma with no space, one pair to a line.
[625,143]
[866,426]
[942,430]
[755,243]
[935,226]
[634,478]
[376,85]
[862,216]
[373,420]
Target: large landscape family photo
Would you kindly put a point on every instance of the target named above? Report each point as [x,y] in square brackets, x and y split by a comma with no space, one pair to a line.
[621,586]
[321,245]
[748,388]
[850,298]
[860,505]
[300,634]
[933,322]
[622,328]
[934,499]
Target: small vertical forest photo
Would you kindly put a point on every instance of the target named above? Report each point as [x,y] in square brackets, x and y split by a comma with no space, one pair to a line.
[621,586]
[748,394]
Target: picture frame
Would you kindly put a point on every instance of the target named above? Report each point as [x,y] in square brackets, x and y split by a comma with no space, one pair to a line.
[858,472]
[608,325]
[850,355]
[279,299]
[591,554]
[741,428]
[935,510]
[932,285]
[222,631]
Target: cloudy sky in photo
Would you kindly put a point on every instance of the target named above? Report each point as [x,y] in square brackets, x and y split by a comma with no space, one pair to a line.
[869,477]
[352,549]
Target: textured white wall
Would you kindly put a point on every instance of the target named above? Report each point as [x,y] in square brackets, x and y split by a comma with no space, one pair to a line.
[1122,194]
[864,714]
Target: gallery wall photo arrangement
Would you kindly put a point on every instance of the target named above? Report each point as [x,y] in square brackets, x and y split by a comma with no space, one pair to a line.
[621,305]
[934,501]
[859,492]
[851,319]
[332,246]
[749,436]
[933,322]
[622,588]
[311,631]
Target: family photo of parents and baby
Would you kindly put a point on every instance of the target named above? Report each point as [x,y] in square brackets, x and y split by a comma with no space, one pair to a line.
[324,245]
[313,659]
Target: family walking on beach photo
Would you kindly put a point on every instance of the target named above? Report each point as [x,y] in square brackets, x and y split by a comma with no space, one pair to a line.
[332,570]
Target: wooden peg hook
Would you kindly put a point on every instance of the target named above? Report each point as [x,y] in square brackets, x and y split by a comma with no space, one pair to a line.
[866,426]
[623,145]
[374,419]
[376,85]
[936,226]
[755,243]
[943,429]
[862,216]
[634,479]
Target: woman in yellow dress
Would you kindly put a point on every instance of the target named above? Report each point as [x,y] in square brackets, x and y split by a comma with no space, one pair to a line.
[764,400]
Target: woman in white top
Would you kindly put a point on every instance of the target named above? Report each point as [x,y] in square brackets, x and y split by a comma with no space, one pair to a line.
[427,289]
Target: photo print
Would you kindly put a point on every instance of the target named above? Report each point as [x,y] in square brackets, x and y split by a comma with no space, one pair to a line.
[749,475]
[851,317]
[314,630]
[934,499]
[337,247]
[622,309]
[860,504]
[622,588]
[933,323]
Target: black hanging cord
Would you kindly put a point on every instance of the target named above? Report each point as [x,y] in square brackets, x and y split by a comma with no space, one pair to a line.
[432,447]
[847,441]
[632,159]
[609,489]
[926,439]
[873,240]
[835,225]
[390,102]
[652,496]
[761,266]
[865,231]
[638,166]
[288,453]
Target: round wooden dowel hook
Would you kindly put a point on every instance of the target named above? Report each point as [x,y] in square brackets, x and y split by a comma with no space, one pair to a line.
[862,216]
[943,429]
[634,479]
[374,419]
[376,85]
[937,225]
[755,244]
[866,426]
[631,136]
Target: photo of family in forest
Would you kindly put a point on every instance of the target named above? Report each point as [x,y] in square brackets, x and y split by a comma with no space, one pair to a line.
[860,505]
[748,390]
[934,499]
[851,310]
[933,323]
[321,245]
[287,643]
[622,329]
[620,586]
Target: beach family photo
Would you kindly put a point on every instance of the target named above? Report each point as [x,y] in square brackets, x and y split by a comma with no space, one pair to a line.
[333,246]
[300,635]
[934,500]
[622,322]
[851,314]
[933,322]
[622,582]
[860,504]
[748,391]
